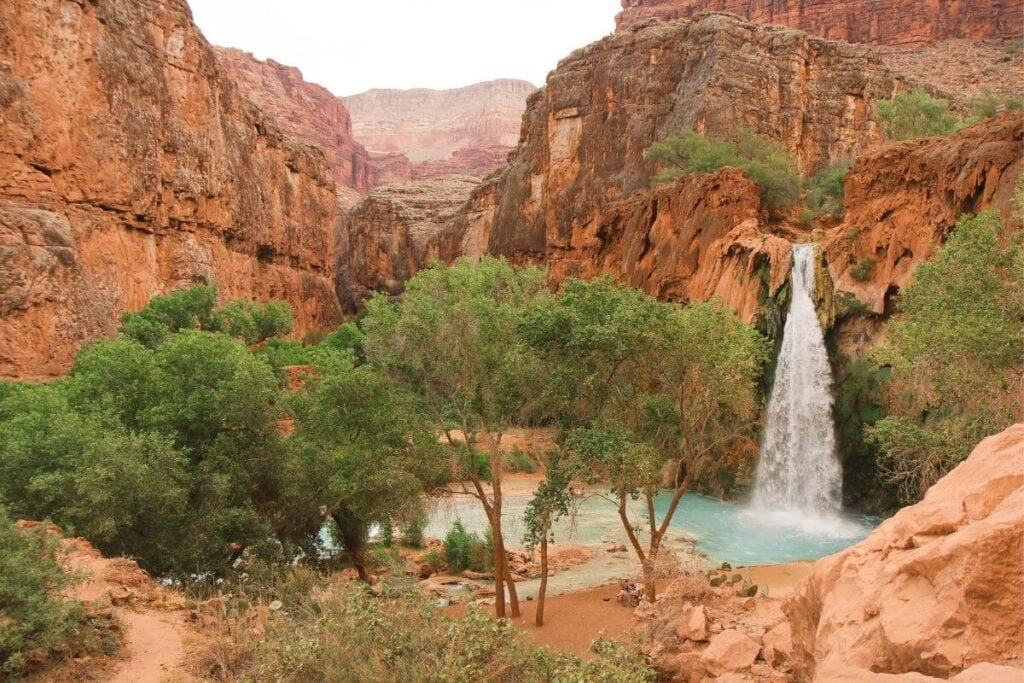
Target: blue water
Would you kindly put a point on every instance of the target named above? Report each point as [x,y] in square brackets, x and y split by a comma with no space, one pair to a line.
[724,532]
[736,534]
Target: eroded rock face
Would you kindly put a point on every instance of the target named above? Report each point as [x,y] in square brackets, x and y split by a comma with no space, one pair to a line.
[466,131]
[131,166]
[935,590]
[902,200]
[894,22]
[305,111]
[396,231]
[567,195]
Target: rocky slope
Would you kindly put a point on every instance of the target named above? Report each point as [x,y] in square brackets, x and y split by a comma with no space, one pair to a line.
[305,111]
[443,132]
[894,22]
[935,590]
[584,135]
[130,165]
[396,231]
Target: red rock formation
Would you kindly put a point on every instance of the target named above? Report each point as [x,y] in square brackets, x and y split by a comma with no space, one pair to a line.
[305,111]
[390,168]
[398,230]
[894,22]
[468,130]
[936,589]
[903,199]
[584,135]
[131,166]
[700,238]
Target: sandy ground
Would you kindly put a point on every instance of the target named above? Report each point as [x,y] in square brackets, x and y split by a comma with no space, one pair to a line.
[574,620]
[780,579]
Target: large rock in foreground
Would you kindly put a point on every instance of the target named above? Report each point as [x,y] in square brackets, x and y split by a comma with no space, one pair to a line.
[935,590]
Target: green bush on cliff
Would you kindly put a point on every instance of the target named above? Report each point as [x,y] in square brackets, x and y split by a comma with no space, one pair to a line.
[955,352]
[826,189]
[916,114]
[765,161]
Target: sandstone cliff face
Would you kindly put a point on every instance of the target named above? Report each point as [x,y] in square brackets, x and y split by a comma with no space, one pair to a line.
[396,231]
[470,129]
[935,590]
[895,22]
[902,200]
[131,166]
[584,135]
[305,111]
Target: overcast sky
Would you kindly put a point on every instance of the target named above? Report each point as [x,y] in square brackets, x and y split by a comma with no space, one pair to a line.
[350,46]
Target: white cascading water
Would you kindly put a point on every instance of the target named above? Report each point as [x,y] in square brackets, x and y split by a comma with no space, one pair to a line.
[799,475]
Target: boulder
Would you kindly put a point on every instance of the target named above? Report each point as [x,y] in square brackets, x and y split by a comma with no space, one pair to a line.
[730,651]
[935,590]
[693,625]
[777,645]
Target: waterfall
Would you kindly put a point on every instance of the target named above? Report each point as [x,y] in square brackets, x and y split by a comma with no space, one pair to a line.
[799,472]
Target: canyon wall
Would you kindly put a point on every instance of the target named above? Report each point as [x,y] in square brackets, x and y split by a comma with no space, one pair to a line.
[443,132]
[396,231]
[893,22]
[902,200]
[131,166]
[584,135]
[305,111]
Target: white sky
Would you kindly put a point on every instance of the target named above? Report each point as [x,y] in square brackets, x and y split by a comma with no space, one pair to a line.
[350,46]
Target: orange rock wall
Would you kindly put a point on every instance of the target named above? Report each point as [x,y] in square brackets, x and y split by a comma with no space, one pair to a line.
[305,111]
[893,22]
[131,166]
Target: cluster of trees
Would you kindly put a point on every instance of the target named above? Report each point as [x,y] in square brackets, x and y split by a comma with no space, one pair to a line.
[954,352]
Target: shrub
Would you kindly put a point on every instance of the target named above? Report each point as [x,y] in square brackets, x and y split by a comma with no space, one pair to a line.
[863,269]
[916,114]
[989,104]
[412,531]
[806,218]
[344,633]
[518,461]
[826,189]
[36,622]
[463,550]
[765,161]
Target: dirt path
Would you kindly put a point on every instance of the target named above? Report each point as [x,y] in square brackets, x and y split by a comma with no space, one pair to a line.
[154,648]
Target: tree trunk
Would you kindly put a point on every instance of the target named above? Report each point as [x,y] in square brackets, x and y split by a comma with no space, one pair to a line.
[499,563]
[352,534]
[543,575]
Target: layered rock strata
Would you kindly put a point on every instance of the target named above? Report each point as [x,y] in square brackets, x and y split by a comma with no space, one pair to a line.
[893,22]
[130,166]
[443,132]
[396,231]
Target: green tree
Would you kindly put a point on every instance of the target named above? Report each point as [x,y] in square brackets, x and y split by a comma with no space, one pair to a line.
[916,114]
[955,351]
[767,162]
[827,189]
[362,454]
[454,342]
[551,501]
[648,388]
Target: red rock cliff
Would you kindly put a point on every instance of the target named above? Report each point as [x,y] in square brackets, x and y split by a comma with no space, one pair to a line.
[443,132]
[130,166]
[561,197]
[893,22]
[305,111]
